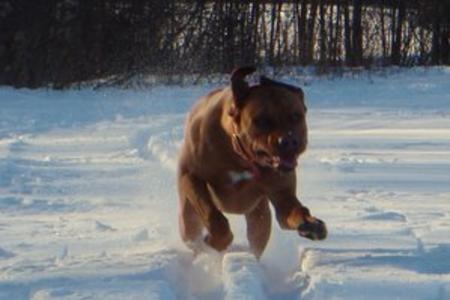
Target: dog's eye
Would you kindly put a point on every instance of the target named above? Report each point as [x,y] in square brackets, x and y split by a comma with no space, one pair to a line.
[295,117]
[263,123]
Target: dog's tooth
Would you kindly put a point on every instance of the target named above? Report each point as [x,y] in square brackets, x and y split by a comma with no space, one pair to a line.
[275,162]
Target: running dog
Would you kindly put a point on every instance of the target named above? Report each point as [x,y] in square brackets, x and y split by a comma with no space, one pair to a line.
[239,156]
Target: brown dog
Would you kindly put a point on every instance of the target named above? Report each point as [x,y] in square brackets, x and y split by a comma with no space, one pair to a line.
[240,152]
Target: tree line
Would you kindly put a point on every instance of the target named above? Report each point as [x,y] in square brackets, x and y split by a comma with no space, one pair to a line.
[58,43]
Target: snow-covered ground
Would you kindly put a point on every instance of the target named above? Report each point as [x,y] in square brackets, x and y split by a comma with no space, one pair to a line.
[88,203]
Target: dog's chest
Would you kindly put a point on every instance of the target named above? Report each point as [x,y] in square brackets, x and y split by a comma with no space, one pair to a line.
[238,191]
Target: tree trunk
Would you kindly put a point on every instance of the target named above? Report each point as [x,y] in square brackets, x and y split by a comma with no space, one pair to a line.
[397,41]
[445,47]
[323,34]
[302,32]
[383,31]
[347,35]
[311,33]
[435,46]
[278,33]
[331,59]
[272,33]
[357,33]
[338,32]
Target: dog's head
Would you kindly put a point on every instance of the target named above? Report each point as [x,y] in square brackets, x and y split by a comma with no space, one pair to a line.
[270,120]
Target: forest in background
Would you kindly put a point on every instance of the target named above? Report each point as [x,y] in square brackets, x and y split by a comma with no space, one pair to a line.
[58,43]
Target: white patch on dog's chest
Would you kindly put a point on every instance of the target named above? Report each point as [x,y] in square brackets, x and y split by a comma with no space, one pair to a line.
[237,177]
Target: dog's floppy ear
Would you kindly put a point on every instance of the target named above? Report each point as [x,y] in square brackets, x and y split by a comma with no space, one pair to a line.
[239,86]
[267,81]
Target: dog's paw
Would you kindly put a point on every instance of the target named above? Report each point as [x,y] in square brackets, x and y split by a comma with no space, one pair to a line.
[219,242]
[220,235]
[313,229]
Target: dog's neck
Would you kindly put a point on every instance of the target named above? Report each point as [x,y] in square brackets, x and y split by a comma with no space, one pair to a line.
[230,125]
[240,150]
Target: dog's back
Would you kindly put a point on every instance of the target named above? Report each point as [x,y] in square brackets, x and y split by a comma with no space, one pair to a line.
[203,131]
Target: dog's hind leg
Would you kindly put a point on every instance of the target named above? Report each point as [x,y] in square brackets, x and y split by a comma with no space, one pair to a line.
[259,227]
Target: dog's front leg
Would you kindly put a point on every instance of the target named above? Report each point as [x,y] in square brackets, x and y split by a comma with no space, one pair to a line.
[196,192]
[291,214]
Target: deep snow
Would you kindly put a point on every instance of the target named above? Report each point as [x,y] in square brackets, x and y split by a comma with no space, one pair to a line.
[88,204]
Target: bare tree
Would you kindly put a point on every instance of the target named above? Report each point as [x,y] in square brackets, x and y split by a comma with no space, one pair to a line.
[61,43]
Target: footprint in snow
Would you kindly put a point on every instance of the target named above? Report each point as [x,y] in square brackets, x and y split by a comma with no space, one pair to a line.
[5,254]
[103,227]
[386,216]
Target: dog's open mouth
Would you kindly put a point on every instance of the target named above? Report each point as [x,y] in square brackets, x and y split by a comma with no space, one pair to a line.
[284,163]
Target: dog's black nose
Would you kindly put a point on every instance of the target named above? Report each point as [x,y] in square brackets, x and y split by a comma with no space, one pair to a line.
[288,143]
